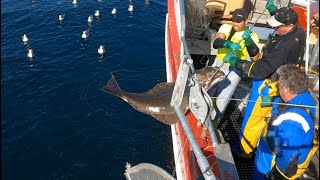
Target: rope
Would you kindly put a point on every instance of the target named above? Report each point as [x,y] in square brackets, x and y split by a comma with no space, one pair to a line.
[196,21]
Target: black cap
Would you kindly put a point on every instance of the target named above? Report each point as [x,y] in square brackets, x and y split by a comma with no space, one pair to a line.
[239,15]
[284,15]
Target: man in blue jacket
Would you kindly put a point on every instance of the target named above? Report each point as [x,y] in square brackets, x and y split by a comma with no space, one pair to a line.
[286,144]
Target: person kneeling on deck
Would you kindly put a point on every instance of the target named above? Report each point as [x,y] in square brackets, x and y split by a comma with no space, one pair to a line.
[287,142]
[229,39]
[285,47]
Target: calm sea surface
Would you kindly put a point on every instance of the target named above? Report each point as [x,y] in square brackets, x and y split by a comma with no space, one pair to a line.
[56,122]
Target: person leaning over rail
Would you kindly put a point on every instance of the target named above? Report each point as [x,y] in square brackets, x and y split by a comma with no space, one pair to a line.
[229,39]
[287,142]
[287,46]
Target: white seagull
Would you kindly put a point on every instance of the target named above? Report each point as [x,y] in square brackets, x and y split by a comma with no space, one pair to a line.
[30,53]
[114,11]
[25,38]
[90,19]
[97,13]
[101,50]
[85,34]
[61,17]
[74,2]
[130,8]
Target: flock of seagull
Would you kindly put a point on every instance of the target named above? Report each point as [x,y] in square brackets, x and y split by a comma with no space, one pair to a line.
[85,33]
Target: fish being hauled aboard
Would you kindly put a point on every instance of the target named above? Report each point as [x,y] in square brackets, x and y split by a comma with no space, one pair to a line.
[156,101]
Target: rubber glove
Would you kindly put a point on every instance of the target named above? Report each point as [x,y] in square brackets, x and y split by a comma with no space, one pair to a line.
[231,45]
[235,46]
[246,36]
[266,98]
[231,59]
[270,6]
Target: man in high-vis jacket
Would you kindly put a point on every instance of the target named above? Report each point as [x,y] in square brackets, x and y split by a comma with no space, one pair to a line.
[287,142]
[237,39]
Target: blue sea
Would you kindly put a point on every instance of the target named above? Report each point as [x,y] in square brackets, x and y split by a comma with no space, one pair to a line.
[56,122]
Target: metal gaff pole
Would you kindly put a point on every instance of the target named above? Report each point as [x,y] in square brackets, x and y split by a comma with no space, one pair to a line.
[201,159]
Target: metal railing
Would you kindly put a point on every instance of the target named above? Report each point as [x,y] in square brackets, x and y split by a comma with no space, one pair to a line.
[185,72]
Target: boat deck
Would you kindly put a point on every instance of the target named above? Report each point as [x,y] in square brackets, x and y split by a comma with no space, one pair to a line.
[230,126]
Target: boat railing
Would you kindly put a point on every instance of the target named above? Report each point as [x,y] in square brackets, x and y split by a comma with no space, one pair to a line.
[199,101]
[185,72]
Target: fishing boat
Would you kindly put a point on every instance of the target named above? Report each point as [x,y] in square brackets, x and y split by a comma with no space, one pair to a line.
[201,149]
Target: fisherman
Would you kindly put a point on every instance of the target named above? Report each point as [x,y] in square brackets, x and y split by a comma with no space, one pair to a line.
[229,39]
[287,46]
[287,142]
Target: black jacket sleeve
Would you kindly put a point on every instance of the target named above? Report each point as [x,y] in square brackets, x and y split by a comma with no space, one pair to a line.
[265,66]
[288,49]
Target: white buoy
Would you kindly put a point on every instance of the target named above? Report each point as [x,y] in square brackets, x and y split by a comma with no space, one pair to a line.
[25,38]
[101,50]
[30,53]
[85,34]
[90,19]
[130,8]
[97,13]
[74,2]
[114,11]
[61,17]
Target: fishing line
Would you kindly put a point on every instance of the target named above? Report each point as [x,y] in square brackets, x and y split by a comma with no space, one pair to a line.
[241,100]
[205,55]
[239,94]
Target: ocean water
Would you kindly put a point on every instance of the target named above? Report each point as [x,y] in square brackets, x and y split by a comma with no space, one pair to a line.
[56,122]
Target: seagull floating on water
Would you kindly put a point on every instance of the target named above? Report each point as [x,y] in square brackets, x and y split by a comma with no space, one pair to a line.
[130,8]
[61,17]
[74,2]
[25,38]
[114,11]
[30,53]
[90,19]
[85,34]
[101,50]
[97,13]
